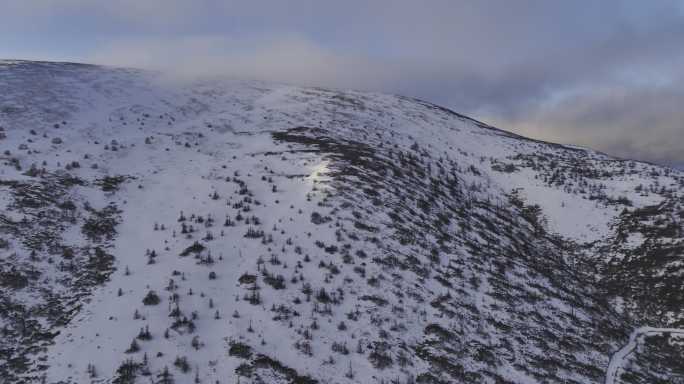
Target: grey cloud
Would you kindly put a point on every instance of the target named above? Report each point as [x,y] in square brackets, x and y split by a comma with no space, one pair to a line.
[288,59]
[645,123]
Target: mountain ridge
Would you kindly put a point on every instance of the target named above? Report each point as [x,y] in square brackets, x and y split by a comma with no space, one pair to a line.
[414,99]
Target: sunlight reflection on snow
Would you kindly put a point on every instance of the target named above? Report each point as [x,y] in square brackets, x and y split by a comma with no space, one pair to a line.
[319,171]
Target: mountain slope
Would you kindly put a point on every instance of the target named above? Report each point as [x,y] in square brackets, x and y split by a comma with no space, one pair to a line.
[225,231]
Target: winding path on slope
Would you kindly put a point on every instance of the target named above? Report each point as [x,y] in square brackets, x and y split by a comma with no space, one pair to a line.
[618,357]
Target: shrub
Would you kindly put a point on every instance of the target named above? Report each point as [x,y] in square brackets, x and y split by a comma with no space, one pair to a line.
[151,298]
[196,247]
[240,350]
[182,364]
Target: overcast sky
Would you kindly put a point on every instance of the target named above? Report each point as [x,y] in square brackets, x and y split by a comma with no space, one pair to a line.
[605,74]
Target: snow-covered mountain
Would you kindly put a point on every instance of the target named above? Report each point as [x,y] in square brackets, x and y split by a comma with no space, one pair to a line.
[229,231]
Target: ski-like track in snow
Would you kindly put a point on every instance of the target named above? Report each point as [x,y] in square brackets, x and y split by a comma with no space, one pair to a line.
[618,357]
